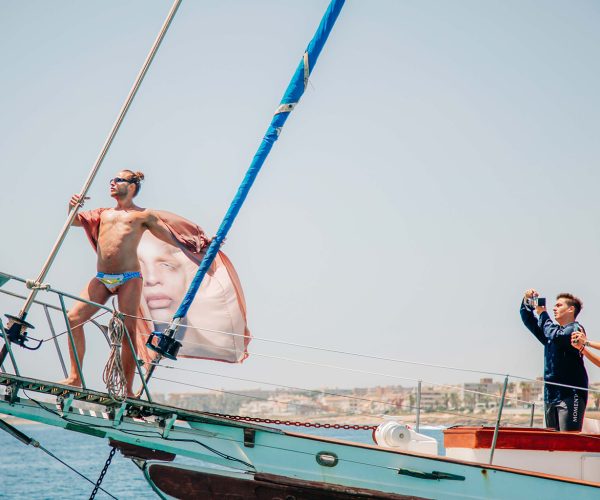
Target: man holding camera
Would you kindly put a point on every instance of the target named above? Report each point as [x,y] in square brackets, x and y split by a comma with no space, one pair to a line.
[563,364]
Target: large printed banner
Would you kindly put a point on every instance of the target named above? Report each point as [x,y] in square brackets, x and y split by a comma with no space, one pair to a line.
[215,326]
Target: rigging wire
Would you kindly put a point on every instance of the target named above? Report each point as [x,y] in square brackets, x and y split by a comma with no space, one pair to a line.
[213,450]
[56,308]
[446,386]
[21,436]
[137,433]
[349,353]
[223,391]
[256,444]
[108,377]
[233,440]
[313,391]
[76,472]
[355,370]
[329,366]
[303,362]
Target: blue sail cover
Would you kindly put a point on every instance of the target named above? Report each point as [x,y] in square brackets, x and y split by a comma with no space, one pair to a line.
[291,97]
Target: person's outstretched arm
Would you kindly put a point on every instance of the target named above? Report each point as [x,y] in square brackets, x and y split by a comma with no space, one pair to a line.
[579,341]
[159,229]
[529,319]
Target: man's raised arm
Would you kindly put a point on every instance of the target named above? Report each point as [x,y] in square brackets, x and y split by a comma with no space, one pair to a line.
[158,228]
[529,319]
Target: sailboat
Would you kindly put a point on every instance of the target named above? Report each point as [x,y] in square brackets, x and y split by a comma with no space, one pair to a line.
[258,460]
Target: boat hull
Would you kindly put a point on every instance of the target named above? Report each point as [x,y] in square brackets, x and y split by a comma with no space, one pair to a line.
[167,433]
[197,482]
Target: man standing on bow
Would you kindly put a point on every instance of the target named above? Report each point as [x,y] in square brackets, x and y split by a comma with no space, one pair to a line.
[115,233]
[563,364]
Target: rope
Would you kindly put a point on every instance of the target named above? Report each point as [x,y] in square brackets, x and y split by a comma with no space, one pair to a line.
[36,285]
[114,376]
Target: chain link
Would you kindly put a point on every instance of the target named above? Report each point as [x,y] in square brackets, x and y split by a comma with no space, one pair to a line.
[292,423]
[103,473]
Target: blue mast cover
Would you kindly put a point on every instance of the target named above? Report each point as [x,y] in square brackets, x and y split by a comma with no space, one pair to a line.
[291,97]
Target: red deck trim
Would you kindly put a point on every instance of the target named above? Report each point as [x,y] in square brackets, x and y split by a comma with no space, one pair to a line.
[518,438]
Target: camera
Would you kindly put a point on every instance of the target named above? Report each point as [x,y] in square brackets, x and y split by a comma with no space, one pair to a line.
[535,302]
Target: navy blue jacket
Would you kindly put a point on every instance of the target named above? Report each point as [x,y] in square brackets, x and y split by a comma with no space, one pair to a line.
[563,363]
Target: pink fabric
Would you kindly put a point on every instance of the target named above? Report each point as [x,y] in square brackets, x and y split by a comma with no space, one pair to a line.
[219,305]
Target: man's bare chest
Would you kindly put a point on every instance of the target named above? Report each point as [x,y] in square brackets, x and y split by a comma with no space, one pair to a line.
[121,221]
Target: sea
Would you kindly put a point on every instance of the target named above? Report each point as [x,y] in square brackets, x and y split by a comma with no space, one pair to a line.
[29,473]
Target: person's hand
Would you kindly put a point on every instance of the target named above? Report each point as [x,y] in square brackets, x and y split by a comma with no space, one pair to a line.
[75,200]
[578,340]
[528,296]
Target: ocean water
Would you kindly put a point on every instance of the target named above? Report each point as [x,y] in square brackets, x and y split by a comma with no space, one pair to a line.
[29,473]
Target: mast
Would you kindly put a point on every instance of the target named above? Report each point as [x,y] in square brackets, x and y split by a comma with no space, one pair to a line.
[167,345]
[18,326]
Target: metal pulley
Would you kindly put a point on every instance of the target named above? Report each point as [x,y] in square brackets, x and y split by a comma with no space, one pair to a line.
[17,332]
[165,345]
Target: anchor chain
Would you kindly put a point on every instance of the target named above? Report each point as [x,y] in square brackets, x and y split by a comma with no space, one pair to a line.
[316,425]
[103,473]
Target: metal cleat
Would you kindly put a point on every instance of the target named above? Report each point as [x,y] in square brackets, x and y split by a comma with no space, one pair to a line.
[119,414]
[65,403]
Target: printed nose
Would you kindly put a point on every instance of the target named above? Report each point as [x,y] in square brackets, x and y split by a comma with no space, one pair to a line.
[151,277]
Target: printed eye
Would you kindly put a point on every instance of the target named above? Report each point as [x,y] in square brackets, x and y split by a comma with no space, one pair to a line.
[168,266]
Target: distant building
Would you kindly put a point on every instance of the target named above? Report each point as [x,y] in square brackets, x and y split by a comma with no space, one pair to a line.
[531,391]
[483,394]
[437,397]
[339,404]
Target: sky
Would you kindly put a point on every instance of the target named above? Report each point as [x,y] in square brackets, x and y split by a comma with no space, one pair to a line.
[443,159]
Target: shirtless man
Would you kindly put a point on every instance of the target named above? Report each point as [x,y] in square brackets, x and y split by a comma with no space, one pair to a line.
[120,231]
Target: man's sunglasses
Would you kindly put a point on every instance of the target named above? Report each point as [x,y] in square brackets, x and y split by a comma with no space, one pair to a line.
[120,179]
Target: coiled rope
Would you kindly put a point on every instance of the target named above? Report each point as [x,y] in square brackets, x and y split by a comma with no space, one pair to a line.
[114,376]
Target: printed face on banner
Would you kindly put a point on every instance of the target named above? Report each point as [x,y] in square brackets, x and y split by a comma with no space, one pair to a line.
[167,274]
[215,326]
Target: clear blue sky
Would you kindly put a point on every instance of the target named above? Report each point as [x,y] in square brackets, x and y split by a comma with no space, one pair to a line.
[444,158]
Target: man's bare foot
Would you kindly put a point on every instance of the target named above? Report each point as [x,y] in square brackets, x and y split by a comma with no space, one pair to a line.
[75,382]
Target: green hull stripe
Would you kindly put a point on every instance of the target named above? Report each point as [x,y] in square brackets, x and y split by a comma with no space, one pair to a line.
[85,430]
